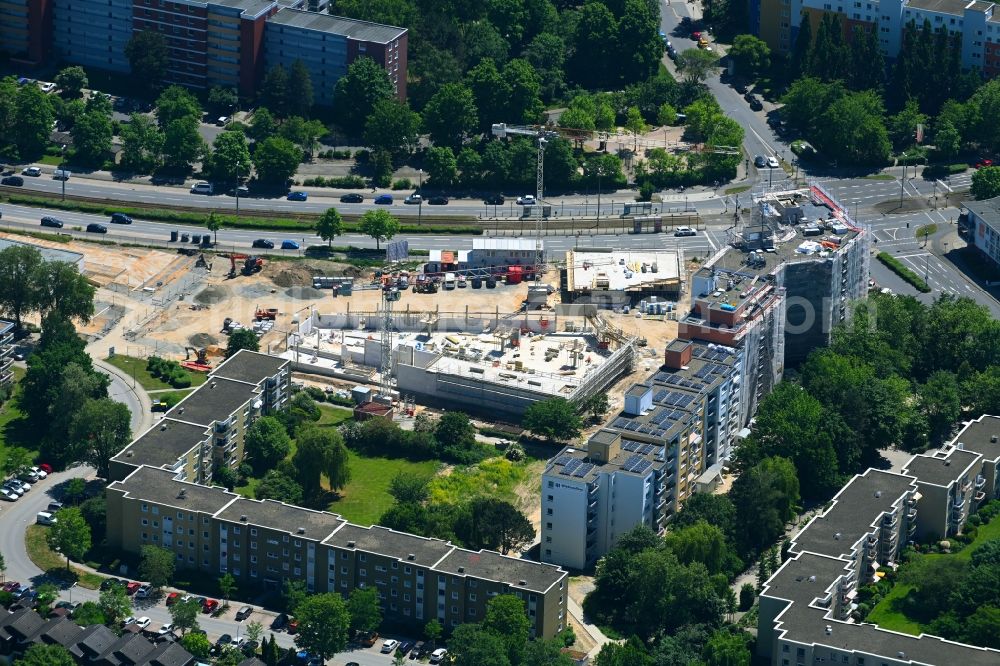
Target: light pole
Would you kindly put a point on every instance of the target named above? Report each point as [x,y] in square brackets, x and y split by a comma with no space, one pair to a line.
[62,168]
[420,204]
[902,183]
[599,174]
[237,190]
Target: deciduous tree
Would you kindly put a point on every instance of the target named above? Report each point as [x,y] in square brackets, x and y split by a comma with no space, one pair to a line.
[71,81]
[330,225]
[320,452]
[266,444]
[378,224]
[451,115]
[555,419]
[99,431]
[70,535]
[157,566]
[986,183]
[356,93]
[365,609]
[323,623]
[394,127]
[148,58]
[276,160]
[244,338]
[42,654]
[494,524]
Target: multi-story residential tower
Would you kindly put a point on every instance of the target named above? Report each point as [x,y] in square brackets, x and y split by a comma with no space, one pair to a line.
[6,352]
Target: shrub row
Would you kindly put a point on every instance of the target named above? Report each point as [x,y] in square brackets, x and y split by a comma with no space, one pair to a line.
[402,184]
[334,154]
[897,267]
[347,182]
[169,371]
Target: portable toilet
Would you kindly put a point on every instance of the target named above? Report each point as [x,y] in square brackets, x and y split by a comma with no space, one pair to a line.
[515,274]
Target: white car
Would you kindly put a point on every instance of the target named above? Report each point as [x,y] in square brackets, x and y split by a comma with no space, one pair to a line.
[47,87]
[41,473]
[31,171]
[21,484]
[168,628]
[9,495]
[389,646]
[222,121]
[142,622]
[143,592]
[413,199]
[438,655]
[526,200]
[14,489]
[685,231]
[45,518]
[772,162]
[30,476]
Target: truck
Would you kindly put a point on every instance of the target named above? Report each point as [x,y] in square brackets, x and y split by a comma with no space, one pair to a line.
[449,281]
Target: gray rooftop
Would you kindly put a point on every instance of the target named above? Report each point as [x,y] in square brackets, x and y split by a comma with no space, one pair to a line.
[953,7]
[362,31]
[978,436]
[490,565]
[941,471]
[987,210]
[48,253]
[856,507]
[159,485]
[215,400]
[250,367]
[163,444]
[6,326]
[390,543]
[317,525]
[805,578]
[249,8]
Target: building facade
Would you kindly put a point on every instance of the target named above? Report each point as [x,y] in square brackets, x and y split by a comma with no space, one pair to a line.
[6,353]
[227,43]
[979,225]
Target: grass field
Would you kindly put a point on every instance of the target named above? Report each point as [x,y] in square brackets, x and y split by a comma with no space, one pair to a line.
[13,429]
[367,497]
[136,367]
[52,562]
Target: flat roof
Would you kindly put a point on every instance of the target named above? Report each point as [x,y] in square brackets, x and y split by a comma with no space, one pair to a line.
[162,487]
[977,436]
[490,565]
[215,400]
[6,326]
[362,31]
[48,253]
[250,367]
[855,508]
[988,210]
[383,541]
[163,444]
[635,458]
[252,8]
[623,270]
[954,7]
[941,470]
[316,525]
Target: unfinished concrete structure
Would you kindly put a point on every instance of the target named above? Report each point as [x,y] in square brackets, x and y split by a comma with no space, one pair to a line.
[499,363]
[614,279]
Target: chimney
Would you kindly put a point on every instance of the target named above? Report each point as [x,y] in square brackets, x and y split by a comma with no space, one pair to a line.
[878,493]
[182,494]
[993,438]
[243,519]
[411,557]
[829,630]
[461,570]
[350,544]
[522,582]
[301,530]
[678,354]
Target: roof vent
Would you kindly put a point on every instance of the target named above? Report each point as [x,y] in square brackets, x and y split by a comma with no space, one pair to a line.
[182,494]
[947,463]
[812,579]
[212,384]
[878,493]
[350,544]
[180,410]
[522,582]
[411,557]
[993,438]
[829,630]
[301,530]
[129,453]
[901,654]
[461,570]
[163,426]
[837,536]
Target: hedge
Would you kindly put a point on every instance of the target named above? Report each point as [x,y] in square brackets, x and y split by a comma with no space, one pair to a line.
[897,267]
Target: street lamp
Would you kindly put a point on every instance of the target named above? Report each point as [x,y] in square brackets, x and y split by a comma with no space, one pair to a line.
[62,168]
[420,204]
[237,189]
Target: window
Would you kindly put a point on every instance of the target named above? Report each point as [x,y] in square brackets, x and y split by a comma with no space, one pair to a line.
[145,522]
[145,507]
[548,512]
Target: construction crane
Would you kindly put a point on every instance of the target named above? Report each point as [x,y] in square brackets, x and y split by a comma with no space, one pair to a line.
[390,294]
[543,135]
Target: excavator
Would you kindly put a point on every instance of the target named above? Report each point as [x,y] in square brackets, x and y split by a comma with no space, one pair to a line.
[251,264]
[200,364]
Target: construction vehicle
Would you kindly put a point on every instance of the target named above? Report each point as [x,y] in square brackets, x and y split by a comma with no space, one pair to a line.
[251,264]
[425,285]
[200,364]
[265,314]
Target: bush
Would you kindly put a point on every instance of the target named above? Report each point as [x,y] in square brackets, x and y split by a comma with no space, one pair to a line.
[345,182]
[315,393]
[402,184]
[747,596]
[335,399]
[897,267]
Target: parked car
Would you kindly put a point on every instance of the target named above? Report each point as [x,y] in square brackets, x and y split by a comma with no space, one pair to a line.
[202,188]
[243,613]
[61,174]
[9,495]
[31,171]
[45,467]
[52,222]
[173,598]
[494,200]
[413,199]
[438,201]
[685,231]
[755,103]
[389,646]
[369,639]
[759,161]
[526,200]
[95,228]
[224,639]
[13,181]
[142,622]
[168,628]
[417,651]
[985,162]
[144,592]
[384,200]
[108,583]
[297,196]
[438,655]
[772,162]
[240,191]
[404,647]
[30,476]
[132,587]
[39,471]
[54,506]
[222,121]
[289,245]
[353,197]
[293,626]
[264,243]
[45,518]
[279,622]
[10,586]
[14,488]
[210,606]
[740,87]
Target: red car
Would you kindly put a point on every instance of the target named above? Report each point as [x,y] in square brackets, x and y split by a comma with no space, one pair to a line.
[984,163]
[11,585]
[293,626]
[132,587]
[696,35]
[172,598]
[210,606]
[45,467]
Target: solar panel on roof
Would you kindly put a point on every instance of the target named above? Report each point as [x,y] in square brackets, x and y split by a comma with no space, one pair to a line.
[584,469]
[562,460]
[572,465]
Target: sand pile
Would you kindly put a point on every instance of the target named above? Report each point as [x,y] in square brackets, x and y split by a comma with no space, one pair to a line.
[201,340]
[212,294]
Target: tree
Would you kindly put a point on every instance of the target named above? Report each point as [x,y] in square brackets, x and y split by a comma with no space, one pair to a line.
[273,92]
[747,596]
[148,58]
[276,160]
[323,623]
[99,431]
[72,81]
[852,130]
[356,93]
[42,654]
[442,167]
[393,127]
[115,604]
[320,452]
[74,490]
[751,54]
[451,115]
[230,159]
[455,429]
[407,488]
[554,419]
[494,524]
[221,99]
[948,140]
[703,543]
[507,617]
[92,135]
[61,290]
[197,644]
[303,133]
[635,124]
[182,145]
[177,103]
[524,104]
[156,565]
[213,223]
[277,485]
[595,62]
[696,65]
[270,652]
[472,645]
[184,614]
[19,264]
[263,125]
[300,90]
[88,613]
[32,121]
[16,459]
[986,183]
[266,443]
[293,593]
[902,127]
[433,631]
[227,585]
[244,338]
[364,609]
[70,535]
[330,225]
[629,653]
[378,224]
[725,648]
[3,567]
[142,143]
[766,497]
[545,653]
[941,404]
[717,510]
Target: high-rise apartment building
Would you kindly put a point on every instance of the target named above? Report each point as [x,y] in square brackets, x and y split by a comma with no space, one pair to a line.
[6,352]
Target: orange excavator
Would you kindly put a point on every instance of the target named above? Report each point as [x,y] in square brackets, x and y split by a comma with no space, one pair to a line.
[251,264]
[200,364]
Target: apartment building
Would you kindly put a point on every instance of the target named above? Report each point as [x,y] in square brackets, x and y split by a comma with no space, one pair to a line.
[207,427]
[674,428]
[6,352]
[979,225]
[806,606]
[327,45]
[263,542]
[210,42]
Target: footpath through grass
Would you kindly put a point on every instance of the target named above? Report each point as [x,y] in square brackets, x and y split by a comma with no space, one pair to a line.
[136,367]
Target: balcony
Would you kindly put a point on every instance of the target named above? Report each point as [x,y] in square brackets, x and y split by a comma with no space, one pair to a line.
[980,496]
[980,482]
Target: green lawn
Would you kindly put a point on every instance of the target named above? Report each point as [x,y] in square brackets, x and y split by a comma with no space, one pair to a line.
[52,562]
[332,415]
[13,428]
[136,367]
[367,497]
